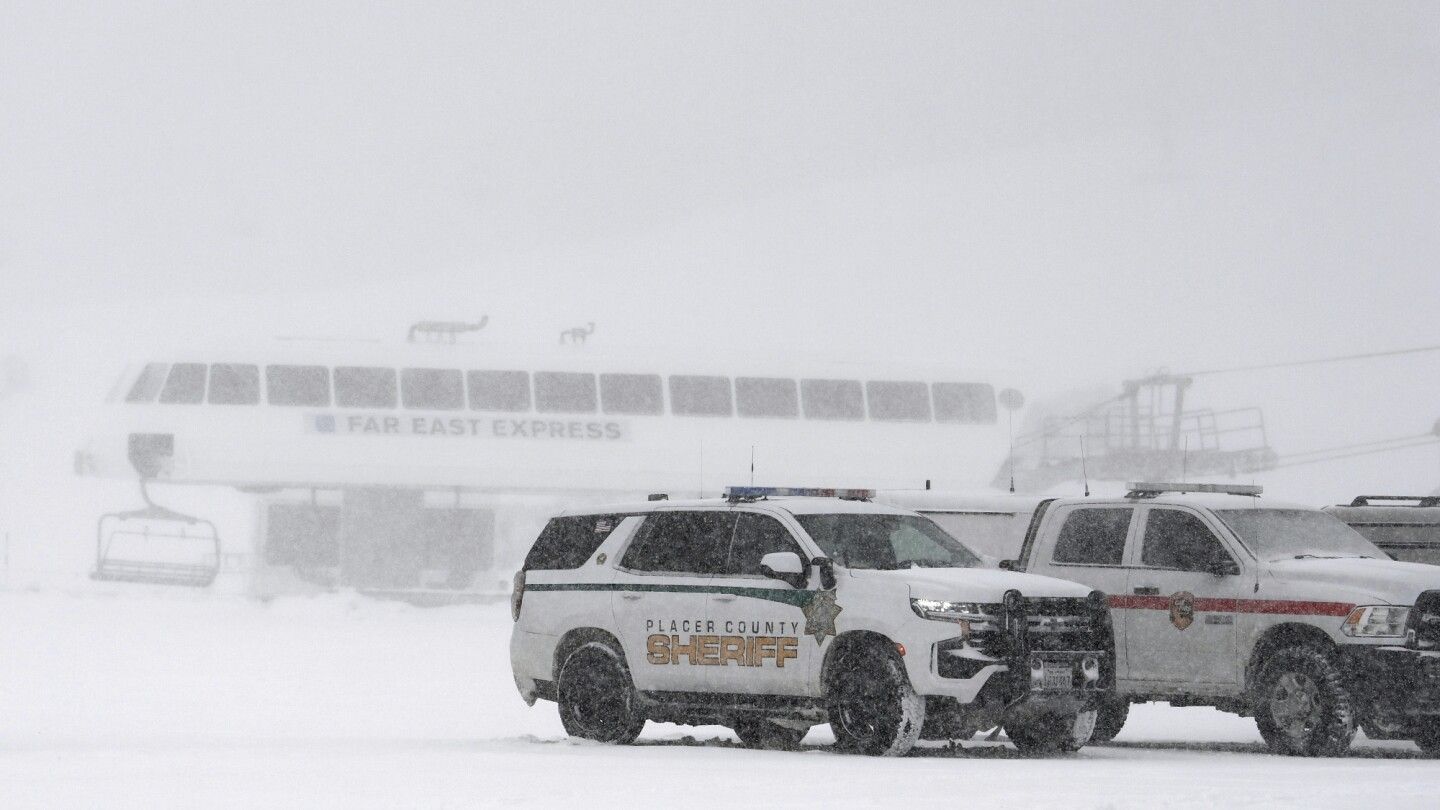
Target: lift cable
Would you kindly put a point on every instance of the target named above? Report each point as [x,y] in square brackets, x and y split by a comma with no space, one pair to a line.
[1313,361]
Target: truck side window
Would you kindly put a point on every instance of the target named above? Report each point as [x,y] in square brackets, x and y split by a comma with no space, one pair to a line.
[681,542]
[1093,537]
[756,536]
[1179,540]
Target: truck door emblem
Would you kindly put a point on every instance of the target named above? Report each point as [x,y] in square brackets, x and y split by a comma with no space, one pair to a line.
[820,616]
[1182,609]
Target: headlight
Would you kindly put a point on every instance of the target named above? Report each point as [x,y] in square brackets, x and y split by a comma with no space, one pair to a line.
[943,611]
[1376,621]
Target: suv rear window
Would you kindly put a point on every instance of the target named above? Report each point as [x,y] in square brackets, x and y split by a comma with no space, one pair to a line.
[567,542]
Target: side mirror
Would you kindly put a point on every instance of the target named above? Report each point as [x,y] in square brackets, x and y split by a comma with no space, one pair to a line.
[784,566]
[1223,566]
[1009,565]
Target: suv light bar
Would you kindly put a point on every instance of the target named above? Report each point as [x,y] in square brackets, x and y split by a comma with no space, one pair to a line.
[752,493]
[1142,489]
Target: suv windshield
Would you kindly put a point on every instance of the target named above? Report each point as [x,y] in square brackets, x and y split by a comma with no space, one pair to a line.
[1283,534]
[886,542]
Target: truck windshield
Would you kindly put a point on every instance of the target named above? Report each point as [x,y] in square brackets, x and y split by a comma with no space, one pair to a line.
[1284,534]
[887,542]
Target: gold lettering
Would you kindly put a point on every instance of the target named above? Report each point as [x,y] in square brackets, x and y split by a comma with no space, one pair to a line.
[657,649]
[690,651]
[732,648]
[767,649]
[708,650]
[787,649]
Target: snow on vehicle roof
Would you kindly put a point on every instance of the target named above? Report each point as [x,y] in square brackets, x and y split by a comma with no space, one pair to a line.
[795,505]
[930,500]
[1204,500]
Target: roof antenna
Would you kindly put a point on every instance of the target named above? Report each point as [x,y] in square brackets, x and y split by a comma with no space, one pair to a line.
[1010,415]
[1084,473]
[752,465]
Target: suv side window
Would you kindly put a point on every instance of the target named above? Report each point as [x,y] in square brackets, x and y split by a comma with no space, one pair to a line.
[1179,540]
[567,542]
[756,536]
[1093,536]
[681,542]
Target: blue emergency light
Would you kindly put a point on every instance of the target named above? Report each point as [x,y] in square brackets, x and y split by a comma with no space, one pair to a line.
[752,493]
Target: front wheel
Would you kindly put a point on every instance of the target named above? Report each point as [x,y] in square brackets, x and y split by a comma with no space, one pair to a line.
[873,708]
[1302,705]
[596,696]
[1052,733]
[1110,717]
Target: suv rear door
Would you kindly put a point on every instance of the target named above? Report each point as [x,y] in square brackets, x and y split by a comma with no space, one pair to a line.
[663,582]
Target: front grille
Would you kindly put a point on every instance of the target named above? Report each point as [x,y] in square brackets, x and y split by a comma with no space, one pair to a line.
[1055,624]
[1422,632]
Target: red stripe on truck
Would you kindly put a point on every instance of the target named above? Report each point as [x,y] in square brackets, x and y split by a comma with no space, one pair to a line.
[1284,607]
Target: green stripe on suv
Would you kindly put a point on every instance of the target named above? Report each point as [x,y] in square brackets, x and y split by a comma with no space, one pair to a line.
[783,595]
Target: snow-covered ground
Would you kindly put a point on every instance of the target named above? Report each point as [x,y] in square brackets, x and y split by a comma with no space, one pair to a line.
[139,697]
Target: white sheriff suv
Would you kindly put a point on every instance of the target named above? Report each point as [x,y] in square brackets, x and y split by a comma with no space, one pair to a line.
[1252,606]
[773,610]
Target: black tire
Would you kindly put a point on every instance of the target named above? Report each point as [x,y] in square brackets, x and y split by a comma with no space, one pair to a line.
[1302,706]
[597,697]
[1057,733]
[873,708]
[1427,736]
[758,732]
[1110,717]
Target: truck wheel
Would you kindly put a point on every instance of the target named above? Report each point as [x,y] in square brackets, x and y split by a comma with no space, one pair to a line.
[758,732]
[1110,717]
[1052,733]
[597,697]
[873,708]
[1302,705]
[1427,736]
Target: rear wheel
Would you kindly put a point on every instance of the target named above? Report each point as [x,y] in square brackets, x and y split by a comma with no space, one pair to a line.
[1302,706]
[873,708]
[1057,733]
[1110,717]
[759,732]
[596,696]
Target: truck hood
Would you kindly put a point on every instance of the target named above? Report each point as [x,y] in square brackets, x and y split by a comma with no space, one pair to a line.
[1374,581]
[987,585]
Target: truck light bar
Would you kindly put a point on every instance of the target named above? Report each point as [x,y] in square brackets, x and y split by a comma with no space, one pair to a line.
[1142,489]
[751,493]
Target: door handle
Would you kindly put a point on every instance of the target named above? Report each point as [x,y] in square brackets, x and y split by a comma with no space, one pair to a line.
[1150,590]
[630,596]
[723,597]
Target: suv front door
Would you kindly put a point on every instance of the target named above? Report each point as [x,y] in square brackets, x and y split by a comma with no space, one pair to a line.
[763,648]
[1184,630]
[663,583]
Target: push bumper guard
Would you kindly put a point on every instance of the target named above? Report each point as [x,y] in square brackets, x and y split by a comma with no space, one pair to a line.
[1057,650]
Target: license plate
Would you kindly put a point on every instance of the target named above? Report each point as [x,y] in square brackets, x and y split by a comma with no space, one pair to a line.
[1058,677]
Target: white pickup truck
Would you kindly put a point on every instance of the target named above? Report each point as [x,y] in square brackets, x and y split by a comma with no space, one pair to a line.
[1265,609]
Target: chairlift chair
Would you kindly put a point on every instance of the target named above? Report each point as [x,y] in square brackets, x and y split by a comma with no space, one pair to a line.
[156,545]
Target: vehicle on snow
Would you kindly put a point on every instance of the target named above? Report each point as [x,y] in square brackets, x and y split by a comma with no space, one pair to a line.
[774,610]
[1405,527]
[1266,609]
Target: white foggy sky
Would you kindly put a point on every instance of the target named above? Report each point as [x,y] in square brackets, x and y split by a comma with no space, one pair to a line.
[1077,191]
